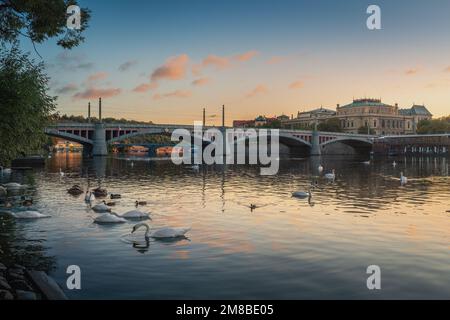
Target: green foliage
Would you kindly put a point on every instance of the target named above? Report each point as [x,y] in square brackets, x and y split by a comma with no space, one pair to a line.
[82,119]
[363,130]
[25,106]
[40,20]
[274,124]
[330,125]
[441,125]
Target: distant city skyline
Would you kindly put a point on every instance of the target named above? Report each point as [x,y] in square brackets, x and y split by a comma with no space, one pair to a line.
[165,62]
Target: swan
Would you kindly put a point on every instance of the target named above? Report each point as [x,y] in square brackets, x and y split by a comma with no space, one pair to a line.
[29,215]
[331,175]
[394,164]
[366,162]
[61,173]
[109,218]
[13,186]
[161,233]
[89,197]
[302,194]
[320,168]
[403,179]
[101,207]
[136,214]
[5,170]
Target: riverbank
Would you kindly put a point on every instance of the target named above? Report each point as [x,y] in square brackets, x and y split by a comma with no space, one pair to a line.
[15,285]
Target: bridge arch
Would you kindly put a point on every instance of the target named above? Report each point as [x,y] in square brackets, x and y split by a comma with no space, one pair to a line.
[69,137]
[358,144]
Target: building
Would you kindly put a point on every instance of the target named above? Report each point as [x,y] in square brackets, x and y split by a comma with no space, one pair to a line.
[258,122]
[366,115]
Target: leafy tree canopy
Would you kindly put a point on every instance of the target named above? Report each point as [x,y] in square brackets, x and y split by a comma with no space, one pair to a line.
[441,125]
[25,106]
[40,20]
[330,125]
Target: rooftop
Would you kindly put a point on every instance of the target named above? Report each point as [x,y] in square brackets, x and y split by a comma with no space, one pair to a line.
[415,110]
[365,102]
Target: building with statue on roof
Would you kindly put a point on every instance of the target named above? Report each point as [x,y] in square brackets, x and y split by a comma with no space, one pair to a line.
[365,114]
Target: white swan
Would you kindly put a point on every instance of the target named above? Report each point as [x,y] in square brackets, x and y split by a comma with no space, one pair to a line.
[61,173]
[331,175]
[403,179]
[136,214]
[5,170]
[161,233]
[29,215]
[101,207]
[366,162]
[13,186]
[394,164]
[89,197]
[109,218]
[320,168]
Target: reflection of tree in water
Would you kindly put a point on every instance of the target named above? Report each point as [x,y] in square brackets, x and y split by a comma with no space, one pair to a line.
[16,248]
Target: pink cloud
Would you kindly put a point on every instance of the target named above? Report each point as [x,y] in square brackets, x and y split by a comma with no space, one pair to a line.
[296,85]
[173,94]
[275,60]
[144,87]
[412,71]
[259,89]
[201,82]
[217,61]
[246,56]
[94,93]
[173,69]
[98,76]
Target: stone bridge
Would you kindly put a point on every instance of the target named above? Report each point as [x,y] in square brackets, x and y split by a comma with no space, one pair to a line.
[95,138]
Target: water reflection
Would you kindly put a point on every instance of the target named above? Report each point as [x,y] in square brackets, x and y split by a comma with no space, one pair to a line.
[284,248]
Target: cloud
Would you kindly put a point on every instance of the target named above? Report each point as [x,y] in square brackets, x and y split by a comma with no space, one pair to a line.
[447,69]
[222,62]
[246,56]
[70,61]
[97,76]
[69,88]
[296,85]
[275,60]
[144,87]
[259,89]
[411,71]
[94,93]
[201,81]
[173,94]
[173,69]
[127,65]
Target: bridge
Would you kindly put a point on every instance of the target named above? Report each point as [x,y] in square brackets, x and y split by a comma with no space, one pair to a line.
[95,138]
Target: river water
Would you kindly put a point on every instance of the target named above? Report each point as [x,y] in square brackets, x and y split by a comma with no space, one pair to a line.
[287,248]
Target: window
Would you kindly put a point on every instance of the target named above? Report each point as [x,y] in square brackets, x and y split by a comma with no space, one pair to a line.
[375,123]
[383,124]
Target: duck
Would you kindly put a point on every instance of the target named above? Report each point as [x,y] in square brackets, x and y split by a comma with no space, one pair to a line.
[136,214]
[253,206]
[320,168]
[100,192]
[140,203]
[109,218]
[115,196]
[101,207]
[302,194]
[89,197]
[29,215]
[403,179]
[110,203]
[331,175]
[75,190]
[27,202]
[161,233]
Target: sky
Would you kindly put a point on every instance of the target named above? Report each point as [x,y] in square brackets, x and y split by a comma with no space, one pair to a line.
[164,61]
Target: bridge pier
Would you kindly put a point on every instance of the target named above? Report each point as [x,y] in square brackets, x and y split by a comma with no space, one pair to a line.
[99,141]
[315,144]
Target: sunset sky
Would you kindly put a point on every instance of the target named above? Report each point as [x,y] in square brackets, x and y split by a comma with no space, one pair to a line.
[165,60]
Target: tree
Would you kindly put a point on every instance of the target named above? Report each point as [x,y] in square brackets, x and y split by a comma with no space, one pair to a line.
[330,125]
[40,20]
[364,130]
[441,125]
[25,106]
